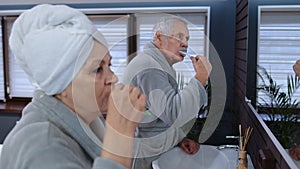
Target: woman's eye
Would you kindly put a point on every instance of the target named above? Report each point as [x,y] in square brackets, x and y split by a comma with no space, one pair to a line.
[99,69]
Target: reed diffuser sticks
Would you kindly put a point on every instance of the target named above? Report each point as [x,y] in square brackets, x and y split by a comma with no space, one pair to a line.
[243,143]
[242,154]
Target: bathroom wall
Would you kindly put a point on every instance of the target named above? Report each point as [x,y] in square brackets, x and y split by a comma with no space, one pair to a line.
[245,84]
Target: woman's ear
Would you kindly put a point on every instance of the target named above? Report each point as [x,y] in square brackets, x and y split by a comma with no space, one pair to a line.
[64,94]
[61,95]
[66,97]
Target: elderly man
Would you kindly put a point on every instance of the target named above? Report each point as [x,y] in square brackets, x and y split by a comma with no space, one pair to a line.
[168,109]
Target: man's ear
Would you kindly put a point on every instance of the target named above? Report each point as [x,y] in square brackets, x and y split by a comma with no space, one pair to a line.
[158,38]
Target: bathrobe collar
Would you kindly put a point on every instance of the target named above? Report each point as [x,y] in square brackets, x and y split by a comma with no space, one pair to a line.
[151,50]
[89,137]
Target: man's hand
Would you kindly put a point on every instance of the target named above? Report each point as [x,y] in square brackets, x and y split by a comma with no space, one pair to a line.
[189,146]
[295,152]
[296,68]
[202,67]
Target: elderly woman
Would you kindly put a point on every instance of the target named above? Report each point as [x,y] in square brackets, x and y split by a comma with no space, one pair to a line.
[67,60]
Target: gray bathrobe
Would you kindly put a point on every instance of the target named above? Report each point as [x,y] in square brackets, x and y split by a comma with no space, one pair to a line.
[50,135]
[168,109]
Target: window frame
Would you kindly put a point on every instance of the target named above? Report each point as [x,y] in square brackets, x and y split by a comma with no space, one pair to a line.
[17,103]
[262,9]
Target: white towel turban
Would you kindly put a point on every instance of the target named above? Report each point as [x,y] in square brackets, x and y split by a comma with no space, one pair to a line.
[51,43]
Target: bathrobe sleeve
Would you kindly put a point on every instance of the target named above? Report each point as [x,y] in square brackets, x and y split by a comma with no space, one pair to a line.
[101,163]
[43,146]
[59,157]
[173,107]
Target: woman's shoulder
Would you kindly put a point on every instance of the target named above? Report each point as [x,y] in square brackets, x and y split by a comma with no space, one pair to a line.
[39,140]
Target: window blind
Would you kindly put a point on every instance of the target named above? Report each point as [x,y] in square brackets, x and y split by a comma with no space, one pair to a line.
[114,28]
[196,26]
[19,85]
[2,96]
[279,46]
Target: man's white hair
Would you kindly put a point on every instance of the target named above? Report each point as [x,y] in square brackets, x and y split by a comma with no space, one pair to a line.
[166,24]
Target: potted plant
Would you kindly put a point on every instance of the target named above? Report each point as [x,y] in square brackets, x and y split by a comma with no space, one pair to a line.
[280,107]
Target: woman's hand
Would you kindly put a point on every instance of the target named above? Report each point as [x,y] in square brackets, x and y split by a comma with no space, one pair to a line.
[125,109]
[126,106]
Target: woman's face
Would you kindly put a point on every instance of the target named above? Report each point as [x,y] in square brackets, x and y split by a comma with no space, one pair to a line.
[89,91]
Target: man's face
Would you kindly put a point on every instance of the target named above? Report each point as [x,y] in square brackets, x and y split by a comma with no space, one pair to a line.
[170,45]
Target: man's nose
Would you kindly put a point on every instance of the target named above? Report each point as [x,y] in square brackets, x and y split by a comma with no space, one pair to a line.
[184,43]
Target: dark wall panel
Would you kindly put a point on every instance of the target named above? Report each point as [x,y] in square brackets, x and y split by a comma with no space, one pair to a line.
[245,84]
[7,122]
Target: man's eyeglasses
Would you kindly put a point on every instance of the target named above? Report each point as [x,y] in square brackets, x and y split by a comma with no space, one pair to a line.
[180,37]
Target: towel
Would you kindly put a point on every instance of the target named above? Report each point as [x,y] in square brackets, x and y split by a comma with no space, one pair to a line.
[51,43]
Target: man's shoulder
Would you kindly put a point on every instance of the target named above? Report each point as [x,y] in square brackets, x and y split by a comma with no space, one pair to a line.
[144,60]
[141,63]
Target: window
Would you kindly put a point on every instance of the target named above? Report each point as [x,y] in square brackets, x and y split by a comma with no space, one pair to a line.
[279,43]
[1,67]
[116,25]
[19,85]
[113,28]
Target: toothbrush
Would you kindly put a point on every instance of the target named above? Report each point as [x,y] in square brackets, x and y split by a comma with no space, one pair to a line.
[186,54]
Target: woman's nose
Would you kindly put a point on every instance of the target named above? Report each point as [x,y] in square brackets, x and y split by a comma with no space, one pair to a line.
[112,79]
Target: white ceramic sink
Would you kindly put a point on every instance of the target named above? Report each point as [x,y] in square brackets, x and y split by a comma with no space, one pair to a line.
[208,157]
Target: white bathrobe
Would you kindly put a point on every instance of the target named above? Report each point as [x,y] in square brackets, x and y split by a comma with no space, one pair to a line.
[168,108]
